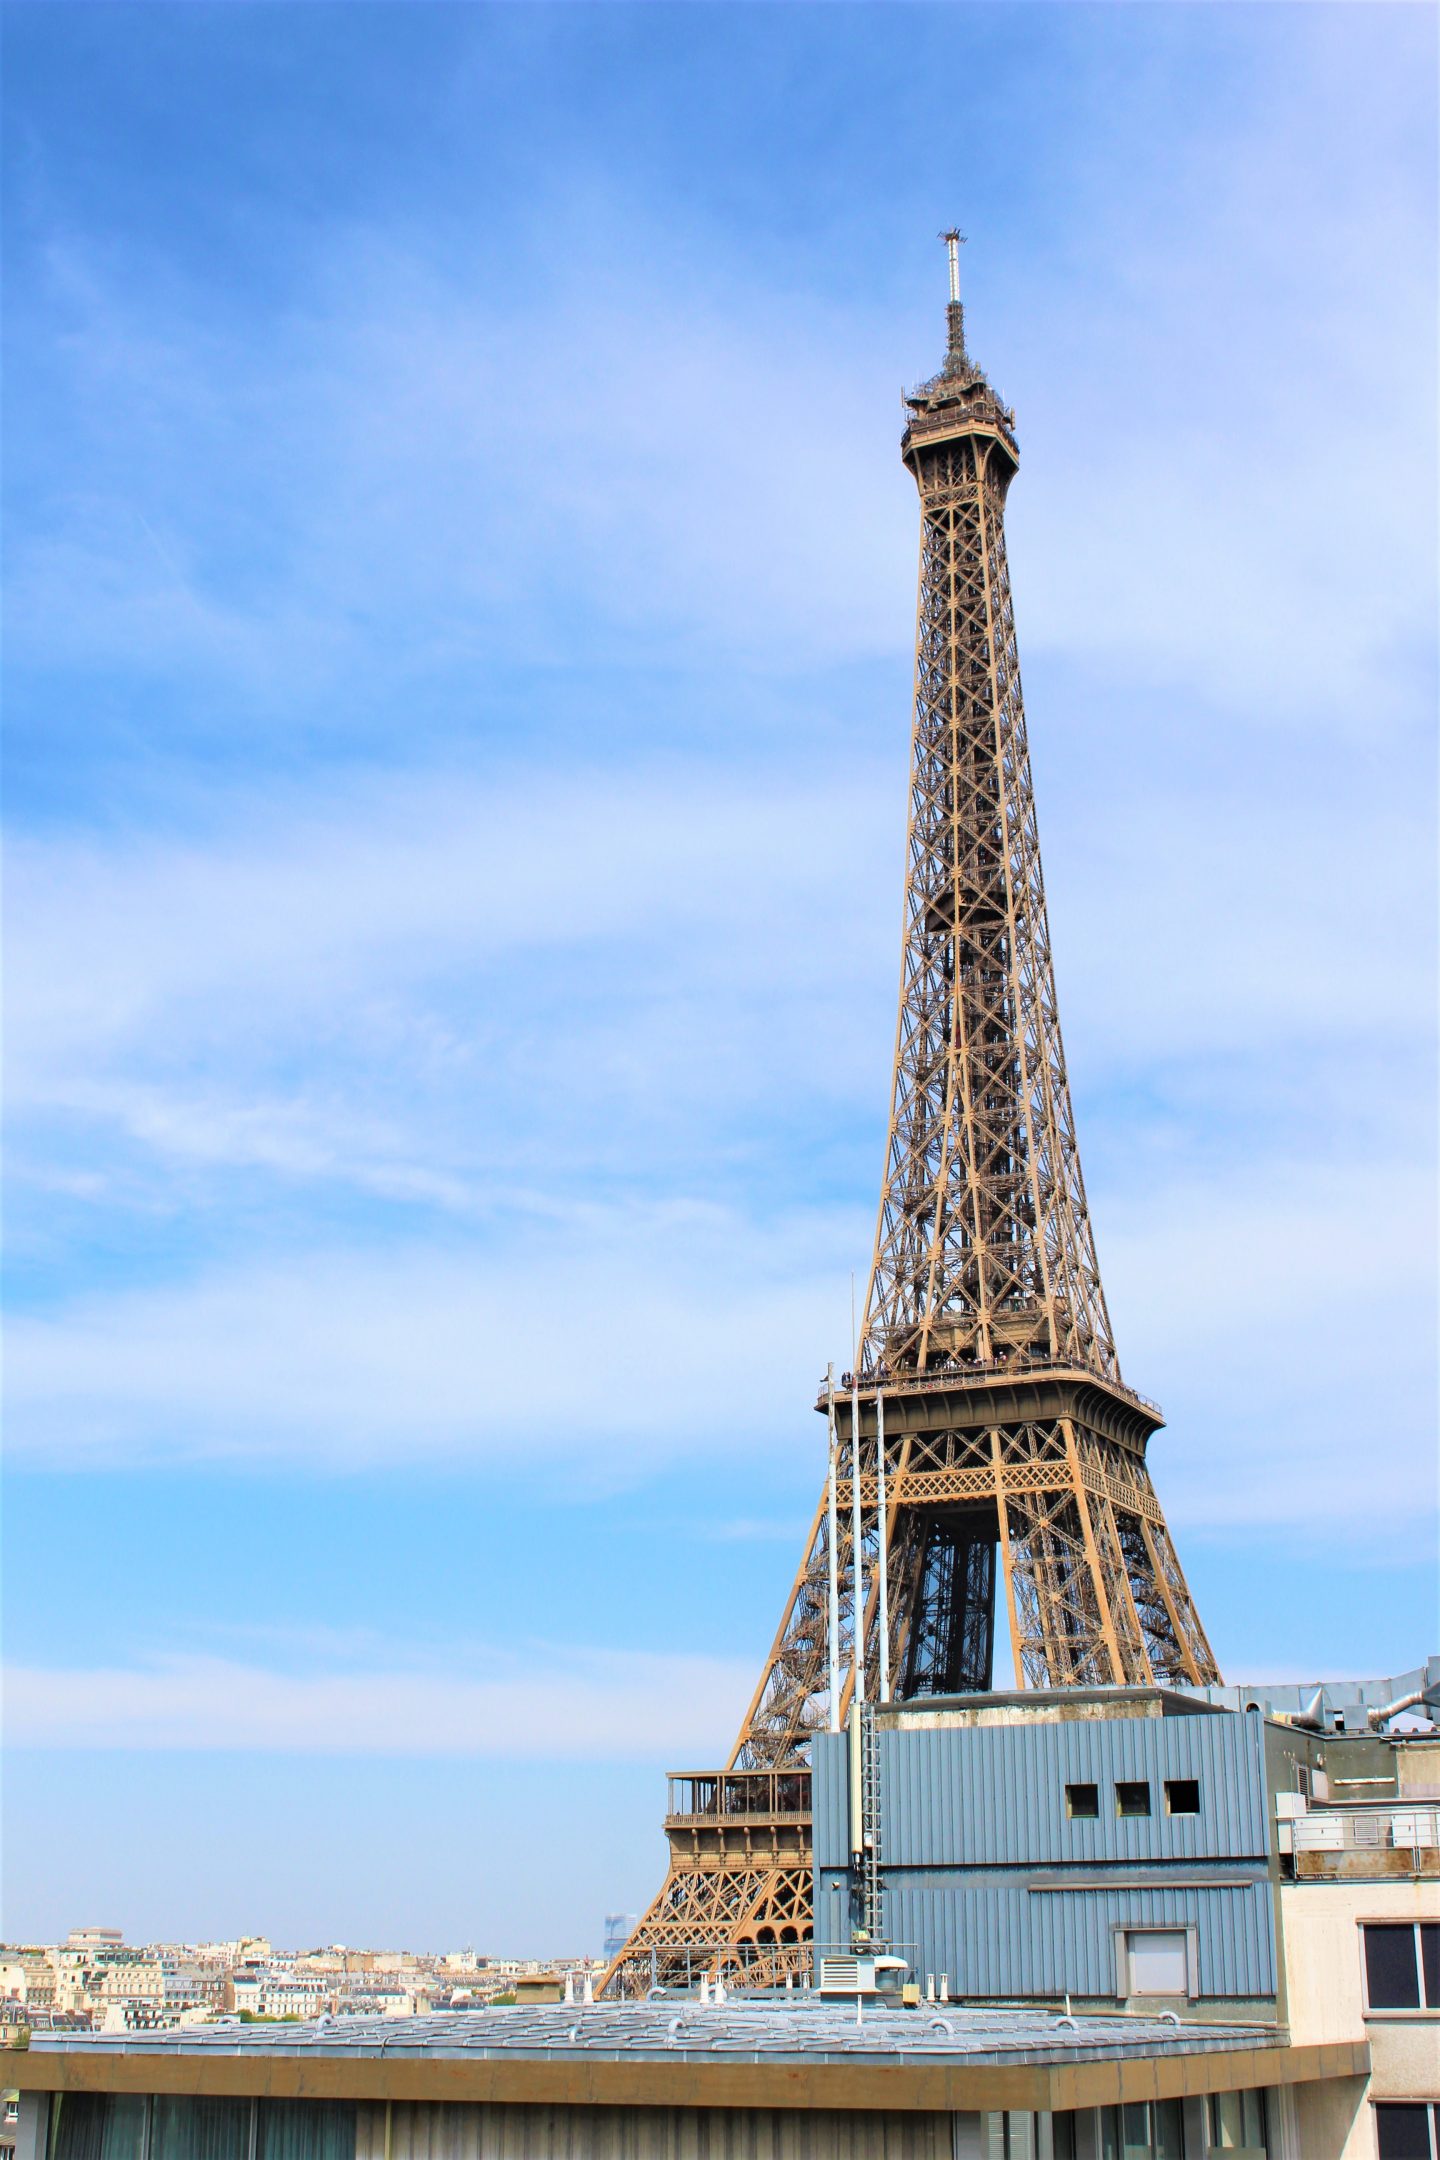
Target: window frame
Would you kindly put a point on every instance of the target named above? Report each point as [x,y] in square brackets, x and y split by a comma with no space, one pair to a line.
[1121,1932]
[1191,1784]
[1082,1785]
[1432,2120]
[1134,1786]
[1421,2009]
[1214,2128]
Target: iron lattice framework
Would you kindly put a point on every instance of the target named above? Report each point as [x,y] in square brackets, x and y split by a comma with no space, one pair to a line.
[986,1366]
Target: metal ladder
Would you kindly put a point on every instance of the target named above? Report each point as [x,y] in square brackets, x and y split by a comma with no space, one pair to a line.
[873,1887]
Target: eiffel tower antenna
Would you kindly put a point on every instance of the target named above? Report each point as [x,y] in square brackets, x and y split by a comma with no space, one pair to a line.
[954,241]
[1016,1489]
[955,355]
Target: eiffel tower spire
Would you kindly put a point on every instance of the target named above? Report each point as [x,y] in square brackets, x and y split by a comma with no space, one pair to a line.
[984,1246]
[1015,1482]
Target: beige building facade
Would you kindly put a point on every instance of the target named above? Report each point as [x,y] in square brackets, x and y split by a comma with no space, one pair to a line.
[1352,1948]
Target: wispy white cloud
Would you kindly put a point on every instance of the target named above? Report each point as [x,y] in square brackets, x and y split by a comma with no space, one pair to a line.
[480,993]
[544,1704]
[577,1348]
[675,937]
[334,918]
[583,1351]
[386,438]
[415,466]
[1286,1315]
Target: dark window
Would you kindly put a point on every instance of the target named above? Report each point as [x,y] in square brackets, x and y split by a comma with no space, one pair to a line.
[1404,2130]
[1145,2130]
[1182,1796]
[1132,1799]
[100,2126]
[306,2130]
[1430,1961]
[199,2129]
[1237,2123]
[1392,1973]
[1082,1803]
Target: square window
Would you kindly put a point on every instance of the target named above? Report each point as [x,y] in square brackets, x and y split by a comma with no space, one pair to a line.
[1403,2130]
[1082,1803]
[1392,1973]
[1158,1961]
[1132,1799]
[1430,1961]
[1182,1796]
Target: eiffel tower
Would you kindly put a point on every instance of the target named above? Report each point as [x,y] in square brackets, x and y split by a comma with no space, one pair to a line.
[996,1436]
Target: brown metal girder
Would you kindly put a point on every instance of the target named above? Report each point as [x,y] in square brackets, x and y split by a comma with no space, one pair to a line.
[915,442]
[973,1481]
[776,1648]
[956,1401]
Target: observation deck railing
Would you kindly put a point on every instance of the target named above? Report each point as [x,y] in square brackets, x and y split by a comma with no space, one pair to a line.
[882,1381]
[711,1795]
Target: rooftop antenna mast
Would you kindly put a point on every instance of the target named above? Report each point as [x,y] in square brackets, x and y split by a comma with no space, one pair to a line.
[954,240]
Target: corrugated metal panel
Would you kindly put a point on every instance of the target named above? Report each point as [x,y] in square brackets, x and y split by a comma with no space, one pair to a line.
[999,1938]
[830,1798]
[995,1795]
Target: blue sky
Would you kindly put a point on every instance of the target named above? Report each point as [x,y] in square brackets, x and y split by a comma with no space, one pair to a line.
[459,581]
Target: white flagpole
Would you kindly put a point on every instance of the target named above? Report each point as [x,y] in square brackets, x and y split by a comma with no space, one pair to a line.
[833,1558]
[884,1561]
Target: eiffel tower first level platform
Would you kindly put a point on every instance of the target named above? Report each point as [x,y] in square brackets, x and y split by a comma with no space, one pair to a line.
[987,1469]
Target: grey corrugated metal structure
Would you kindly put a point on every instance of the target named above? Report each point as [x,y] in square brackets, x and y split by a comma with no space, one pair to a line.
[1001,1938]
[1001,1886]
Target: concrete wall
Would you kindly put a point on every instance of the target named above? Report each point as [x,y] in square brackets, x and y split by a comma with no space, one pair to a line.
[1331,2118]
[1324,1970]
[1324,1976]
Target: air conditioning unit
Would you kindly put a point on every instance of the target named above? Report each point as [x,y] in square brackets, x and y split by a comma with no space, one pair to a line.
[868,1976]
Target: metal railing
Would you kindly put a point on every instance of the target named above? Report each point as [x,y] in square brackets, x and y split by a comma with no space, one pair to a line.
[1393,1827]
[777,1967]
[714,1794]
[902,1383]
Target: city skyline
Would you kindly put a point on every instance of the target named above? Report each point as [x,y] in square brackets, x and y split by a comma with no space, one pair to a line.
[450,982]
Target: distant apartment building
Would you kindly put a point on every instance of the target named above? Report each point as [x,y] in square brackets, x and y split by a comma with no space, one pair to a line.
[266,1994]
[381,2001]
[132,1979]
